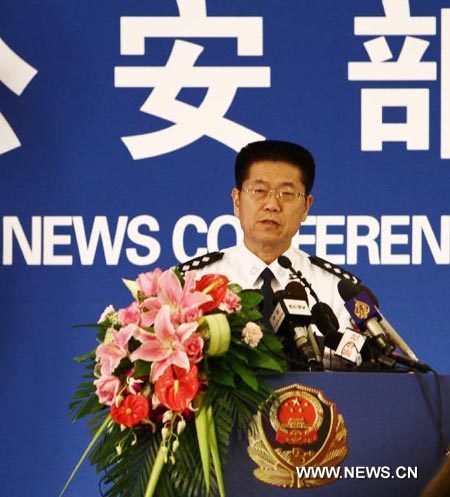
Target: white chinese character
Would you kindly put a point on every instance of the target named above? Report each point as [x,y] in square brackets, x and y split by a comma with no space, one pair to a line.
[15,74]
[396,21]
[408,67]
[415,131]
[180,71]
[445,84]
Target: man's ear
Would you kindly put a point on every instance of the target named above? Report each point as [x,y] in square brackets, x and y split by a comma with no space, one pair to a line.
[236,201]
[309,201]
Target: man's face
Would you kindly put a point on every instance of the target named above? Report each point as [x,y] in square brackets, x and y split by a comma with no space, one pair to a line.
[270,223]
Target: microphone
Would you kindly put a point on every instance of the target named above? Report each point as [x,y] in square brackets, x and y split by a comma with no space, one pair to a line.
[411,363]
[346,288]
[297,291]
[347,345]
[395,338]
[365,314]
[285,262]
[291,318]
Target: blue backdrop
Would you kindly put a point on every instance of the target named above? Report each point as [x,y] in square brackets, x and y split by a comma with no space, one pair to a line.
[82,206]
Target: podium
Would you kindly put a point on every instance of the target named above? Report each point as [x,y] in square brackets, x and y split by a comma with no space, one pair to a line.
[389,424]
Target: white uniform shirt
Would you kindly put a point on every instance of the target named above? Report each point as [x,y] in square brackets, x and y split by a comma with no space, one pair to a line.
[243,267]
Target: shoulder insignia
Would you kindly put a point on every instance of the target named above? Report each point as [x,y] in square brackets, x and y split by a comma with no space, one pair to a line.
[333,269]
[200,262]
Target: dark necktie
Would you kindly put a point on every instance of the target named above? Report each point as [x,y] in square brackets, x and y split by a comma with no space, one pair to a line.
[267,291]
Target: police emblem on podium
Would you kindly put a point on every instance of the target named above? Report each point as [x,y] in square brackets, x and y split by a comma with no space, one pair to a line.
[296,427]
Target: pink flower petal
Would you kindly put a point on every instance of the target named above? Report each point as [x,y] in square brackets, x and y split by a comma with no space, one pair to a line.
[180,359]
[185,330]
[109,356]
[129,315]
[189,282]
[148,319]
[196,299]
[143,336]
[152,303]
[148,282]
[170,291]
[150,352]
[158,369]
[122,337]
[164,329]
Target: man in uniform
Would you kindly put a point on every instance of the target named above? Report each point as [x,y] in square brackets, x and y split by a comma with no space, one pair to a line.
[272,197]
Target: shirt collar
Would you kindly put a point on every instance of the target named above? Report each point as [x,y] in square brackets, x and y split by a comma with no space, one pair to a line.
[282,274]
[253,266]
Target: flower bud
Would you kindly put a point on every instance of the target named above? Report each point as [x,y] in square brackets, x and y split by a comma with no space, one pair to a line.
[175,445]
[165,432]
[181,426]
[168,415]
[155,401]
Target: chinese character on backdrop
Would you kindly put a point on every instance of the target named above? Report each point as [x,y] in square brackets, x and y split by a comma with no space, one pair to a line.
[409,66]
[190,122]
[15,74]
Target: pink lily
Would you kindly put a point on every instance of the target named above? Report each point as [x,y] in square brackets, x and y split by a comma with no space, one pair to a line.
[149,309]
[110,353]
[129,315]
[180,299]
[164,347]
[148,282]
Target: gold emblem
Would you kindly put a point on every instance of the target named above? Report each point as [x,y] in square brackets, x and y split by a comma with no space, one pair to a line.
[297,426]
[361,310]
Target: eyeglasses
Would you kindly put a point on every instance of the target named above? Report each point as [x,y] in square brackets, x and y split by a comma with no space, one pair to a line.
[262,193]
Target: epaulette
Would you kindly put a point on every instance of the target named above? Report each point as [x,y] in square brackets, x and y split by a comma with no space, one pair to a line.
[200,262]
[333,269]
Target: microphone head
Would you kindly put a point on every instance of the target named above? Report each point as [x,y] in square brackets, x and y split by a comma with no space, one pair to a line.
[324,318]
[296,290]
[284,261]
[347,290]
[371,295]
[280,294]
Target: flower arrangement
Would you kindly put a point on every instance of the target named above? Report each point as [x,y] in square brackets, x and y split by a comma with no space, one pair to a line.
[173,376]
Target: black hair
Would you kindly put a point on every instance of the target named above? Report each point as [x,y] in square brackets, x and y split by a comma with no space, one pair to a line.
[275,150]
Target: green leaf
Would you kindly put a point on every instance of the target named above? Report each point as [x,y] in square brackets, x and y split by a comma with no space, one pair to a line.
[97,435]
[201,424]
[235,288]
[270,341]
[260,360]
[132,286]
[253,315]
[239,354]
[83,358]
[250,298]
[214,447]
[142,368]
[155,473]
[223,377]
[179,275]
[89,325]
[90,405]
[246,375]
